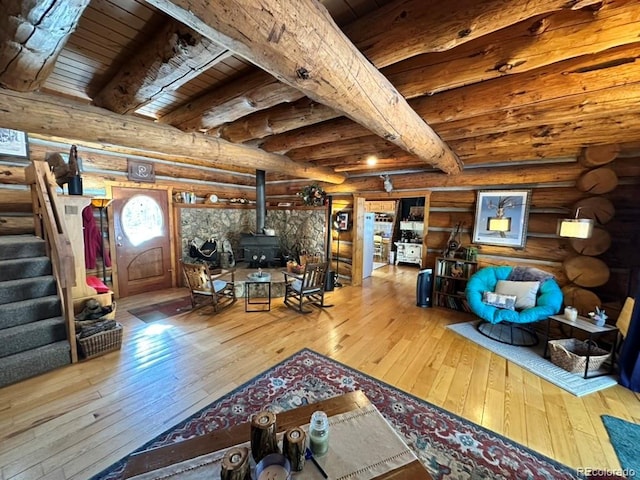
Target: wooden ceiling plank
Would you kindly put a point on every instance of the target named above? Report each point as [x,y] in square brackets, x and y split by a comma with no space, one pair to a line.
[174,56]
[43,114]
[133,14]
[303,47]
[32,35]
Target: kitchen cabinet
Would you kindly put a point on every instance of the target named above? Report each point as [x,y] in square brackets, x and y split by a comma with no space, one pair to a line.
[375,206]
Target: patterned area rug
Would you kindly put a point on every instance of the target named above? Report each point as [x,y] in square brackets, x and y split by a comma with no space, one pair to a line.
[530,358]
[162,310]
[449,446]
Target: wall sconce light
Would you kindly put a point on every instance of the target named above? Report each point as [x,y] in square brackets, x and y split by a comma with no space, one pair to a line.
[575,227]
[499,224]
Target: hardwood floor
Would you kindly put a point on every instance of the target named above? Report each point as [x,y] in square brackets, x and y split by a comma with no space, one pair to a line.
[75,421]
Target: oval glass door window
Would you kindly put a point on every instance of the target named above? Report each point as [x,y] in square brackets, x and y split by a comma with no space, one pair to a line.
[141,219]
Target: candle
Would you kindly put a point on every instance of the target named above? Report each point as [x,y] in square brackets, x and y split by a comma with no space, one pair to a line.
[274,472]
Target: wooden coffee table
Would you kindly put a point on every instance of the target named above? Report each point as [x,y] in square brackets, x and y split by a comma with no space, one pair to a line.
[168,455]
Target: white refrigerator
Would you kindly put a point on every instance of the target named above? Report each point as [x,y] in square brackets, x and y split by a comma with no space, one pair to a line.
[367,245]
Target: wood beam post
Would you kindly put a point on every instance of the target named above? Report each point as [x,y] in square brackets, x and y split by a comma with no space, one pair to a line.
[32,34]
[174,56]
[44,114]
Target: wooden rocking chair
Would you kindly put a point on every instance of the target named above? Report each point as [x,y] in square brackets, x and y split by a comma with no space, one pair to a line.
[306,288]
[217,289]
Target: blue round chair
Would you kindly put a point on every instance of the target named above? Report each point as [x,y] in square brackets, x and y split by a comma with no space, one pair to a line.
[510,326]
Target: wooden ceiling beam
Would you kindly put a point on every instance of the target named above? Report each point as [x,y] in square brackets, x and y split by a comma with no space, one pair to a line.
[276,120]
[304,48]
[562,36]
[32,35]
[304,142]
[257,91]
[573,82]
[99,161]
[526,46]
[589,73]
[44,114]
[593,105]
[536,43]
[580,132]
[476,178]
[174,56]
[406,28]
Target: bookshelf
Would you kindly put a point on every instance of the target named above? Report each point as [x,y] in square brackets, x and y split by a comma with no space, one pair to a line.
[449,282]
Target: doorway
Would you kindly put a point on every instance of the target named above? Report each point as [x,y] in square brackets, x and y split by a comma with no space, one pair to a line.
[141,240]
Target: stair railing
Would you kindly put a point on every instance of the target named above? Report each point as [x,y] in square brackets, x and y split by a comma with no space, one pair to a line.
[50,226]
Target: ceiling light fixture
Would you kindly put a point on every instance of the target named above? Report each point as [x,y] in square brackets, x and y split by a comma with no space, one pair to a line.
[372,160]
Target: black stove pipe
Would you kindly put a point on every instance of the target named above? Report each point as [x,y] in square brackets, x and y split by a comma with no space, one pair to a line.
[261,201]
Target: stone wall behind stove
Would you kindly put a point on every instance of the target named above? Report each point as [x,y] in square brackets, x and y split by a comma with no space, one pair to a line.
[300,229]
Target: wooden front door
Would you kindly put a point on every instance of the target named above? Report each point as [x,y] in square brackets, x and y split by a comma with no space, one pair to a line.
[142,241]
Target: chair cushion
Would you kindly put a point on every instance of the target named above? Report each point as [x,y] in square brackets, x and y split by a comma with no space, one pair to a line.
[525,292]
[218,285]
[297,286]
[499,300]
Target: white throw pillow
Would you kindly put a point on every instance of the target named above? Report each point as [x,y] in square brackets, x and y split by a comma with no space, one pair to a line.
[525,292]
[497,300]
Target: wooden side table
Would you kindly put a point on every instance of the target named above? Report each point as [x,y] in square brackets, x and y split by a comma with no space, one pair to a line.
[593,331]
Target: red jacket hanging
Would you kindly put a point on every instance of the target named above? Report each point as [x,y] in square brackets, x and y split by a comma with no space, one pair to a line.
[93,241]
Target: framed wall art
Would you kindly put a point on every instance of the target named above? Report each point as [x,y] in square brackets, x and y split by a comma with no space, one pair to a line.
[13,143]
[501,217]
[343,221]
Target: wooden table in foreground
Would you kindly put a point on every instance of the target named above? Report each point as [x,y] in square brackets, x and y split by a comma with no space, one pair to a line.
[163,456]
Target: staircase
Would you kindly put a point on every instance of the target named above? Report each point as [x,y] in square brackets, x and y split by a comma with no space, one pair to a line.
[33,337]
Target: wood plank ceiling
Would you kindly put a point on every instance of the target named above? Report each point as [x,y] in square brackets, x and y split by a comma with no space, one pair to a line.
[497,81]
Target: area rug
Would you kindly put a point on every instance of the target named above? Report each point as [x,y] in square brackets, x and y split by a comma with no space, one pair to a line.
[530,358]
[162,310]
[625,438]
[449,446]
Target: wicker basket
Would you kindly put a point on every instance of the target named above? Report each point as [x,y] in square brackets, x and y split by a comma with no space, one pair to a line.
[100,343]
[571,355]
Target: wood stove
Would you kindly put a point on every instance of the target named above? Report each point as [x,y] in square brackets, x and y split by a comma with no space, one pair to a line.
[260,250]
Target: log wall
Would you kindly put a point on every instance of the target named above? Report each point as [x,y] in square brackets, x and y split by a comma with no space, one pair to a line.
[560,186]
